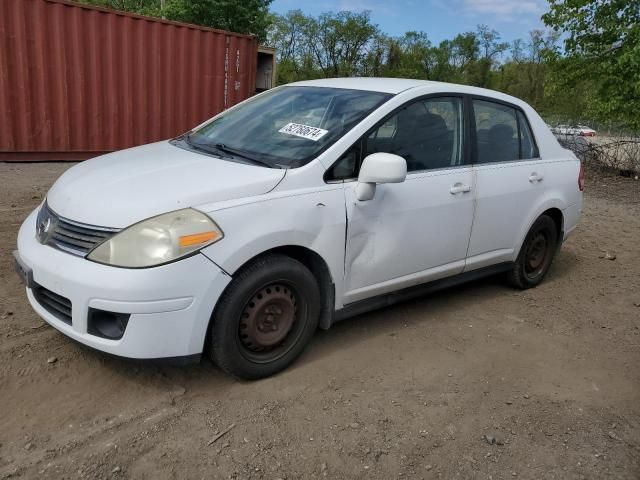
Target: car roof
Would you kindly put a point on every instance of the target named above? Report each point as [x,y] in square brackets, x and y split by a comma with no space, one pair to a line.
[398,85]
[377,84]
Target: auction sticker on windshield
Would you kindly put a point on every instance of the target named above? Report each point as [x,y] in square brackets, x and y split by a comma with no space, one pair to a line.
[304,131]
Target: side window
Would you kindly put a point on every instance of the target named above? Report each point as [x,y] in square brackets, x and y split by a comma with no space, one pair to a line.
[496,132]
[427,134]
[527,143]
[345,167]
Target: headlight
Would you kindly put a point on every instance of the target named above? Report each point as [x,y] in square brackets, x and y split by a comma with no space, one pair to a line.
[158,240]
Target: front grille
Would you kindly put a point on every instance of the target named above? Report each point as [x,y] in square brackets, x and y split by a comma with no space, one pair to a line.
[56,305]
[73,237]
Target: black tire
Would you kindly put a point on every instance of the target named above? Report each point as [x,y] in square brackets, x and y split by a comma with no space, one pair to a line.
[536,254]
[272,294]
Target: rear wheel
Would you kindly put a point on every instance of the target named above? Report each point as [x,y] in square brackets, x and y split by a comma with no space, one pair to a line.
[536,254]
[265,318]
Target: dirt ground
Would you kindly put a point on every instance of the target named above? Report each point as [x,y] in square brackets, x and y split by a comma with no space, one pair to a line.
[553,374]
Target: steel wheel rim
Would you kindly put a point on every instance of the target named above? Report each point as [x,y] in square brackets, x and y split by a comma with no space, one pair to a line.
[270,323]
[536,255]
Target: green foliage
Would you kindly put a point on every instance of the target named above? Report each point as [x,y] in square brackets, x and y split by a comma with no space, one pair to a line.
[526,73]
[247,16]
[602,55]
[331,45]
[126,5]
[348,44]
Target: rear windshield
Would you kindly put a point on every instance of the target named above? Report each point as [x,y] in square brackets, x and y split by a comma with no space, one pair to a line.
[287,127]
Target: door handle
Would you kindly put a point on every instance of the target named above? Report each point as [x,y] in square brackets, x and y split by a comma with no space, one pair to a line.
[534,177]
[459,188]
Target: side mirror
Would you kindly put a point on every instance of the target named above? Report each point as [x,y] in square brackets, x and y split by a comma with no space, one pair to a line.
[379,168]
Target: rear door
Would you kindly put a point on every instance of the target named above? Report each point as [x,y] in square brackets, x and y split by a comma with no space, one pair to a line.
[509,179]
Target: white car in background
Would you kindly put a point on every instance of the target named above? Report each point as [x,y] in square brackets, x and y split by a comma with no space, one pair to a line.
[577,130]
[243,236]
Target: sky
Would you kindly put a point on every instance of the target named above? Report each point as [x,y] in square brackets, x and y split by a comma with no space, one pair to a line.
[440,19]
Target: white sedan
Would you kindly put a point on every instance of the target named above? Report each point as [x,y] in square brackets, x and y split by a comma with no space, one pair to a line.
[577,130]
[295,209]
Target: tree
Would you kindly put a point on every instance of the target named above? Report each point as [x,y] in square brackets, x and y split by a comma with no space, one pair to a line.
[339,40]
[248,16]
[288,35]
[408,56]
[603,44]
[466,49]
[375,61]
[136,6]
[465,53]
[525,74]
[440,62]
[489,44]
[331,45]
[490,49]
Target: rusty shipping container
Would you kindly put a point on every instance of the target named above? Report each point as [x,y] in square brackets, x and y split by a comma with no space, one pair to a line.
[77,81]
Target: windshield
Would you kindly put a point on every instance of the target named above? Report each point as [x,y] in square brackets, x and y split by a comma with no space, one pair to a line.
[286,127]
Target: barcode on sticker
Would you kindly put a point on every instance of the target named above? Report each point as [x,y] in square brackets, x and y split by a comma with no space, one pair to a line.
[304,131]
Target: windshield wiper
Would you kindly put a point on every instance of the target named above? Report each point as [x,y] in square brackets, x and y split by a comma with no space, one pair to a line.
[242,154]
[205,147]
[220,149]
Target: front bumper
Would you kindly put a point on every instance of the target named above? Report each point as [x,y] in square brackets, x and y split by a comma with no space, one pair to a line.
[170,305]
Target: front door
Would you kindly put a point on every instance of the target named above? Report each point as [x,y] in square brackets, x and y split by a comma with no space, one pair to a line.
[418,230]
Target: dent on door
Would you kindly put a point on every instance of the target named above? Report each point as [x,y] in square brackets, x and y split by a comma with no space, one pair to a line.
[368,241]
[408,233]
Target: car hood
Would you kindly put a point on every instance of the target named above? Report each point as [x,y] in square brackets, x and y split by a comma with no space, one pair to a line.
[122,188]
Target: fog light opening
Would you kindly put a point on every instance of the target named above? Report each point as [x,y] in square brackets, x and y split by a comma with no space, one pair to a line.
[109,325]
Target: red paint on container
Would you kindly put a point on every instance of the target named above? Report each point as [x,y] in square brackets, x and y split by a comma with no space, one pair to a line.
[77,81]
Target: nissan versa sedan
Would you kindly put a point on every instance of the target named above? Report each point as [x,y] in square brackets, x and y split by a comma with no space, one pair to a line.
[297,208]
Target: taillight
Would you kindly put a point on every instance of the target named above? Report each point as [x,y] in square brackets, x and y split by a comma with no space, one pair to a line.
[581,178]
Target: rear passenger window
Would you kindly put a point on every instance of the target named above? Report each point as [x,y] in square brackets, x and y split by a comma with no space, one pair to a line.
[496,132]
[503,133]
[427,134]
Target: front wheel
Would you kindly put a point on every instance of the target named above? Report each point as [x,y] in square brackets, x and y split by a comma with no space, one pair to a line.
[536,254]
[265,318]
